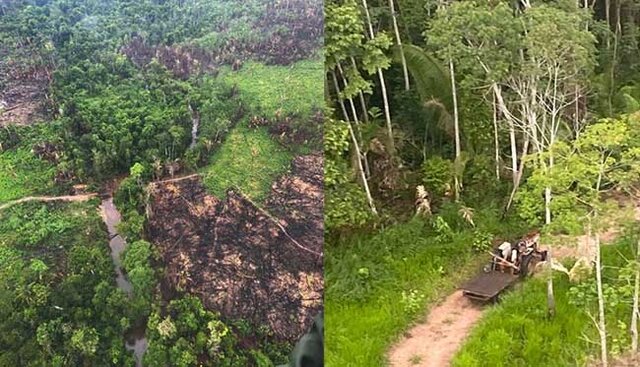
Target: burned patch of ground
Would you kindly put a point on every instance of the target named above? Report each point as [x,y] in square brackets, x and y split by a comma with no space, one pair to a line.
[235,257]
[23,87]
[298,199]
[183,61]
[286,32]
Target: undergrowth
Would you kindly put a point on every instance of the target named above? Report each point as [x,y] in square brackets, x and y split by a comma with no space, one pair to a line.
[23,174]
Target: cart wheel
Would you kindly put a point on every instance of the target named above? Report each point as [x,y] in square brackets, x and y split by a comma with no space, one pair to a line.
[525,266]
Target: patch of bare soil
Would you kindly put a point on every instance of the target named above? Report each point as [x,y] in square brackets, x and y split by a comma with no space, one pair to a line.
[239,259]
[298,199]
[434,342]
[183,61]
[22,90]
[628,360]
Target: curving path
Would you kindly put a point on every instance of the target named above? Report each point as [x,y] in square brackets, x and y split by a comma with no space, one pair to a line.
[83,197]
[434,343]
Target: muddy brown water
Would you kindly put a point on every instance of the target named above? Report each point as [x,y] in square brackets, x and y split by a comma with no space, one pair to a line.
[136,340]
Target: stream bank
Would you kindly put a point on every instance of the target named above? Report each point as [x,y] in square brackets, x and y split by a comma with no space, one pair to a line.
[136,340]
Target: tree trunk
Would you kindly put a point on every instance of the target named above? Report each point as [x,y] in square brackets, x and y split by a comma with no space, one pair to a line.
[363,156]
[365,111]
[601,321]
[496,138]
[399,42]
[456,127]
[512,132]
[383,86]
[340,101]
[634,310]
[607,11]
[365,183]
[525,150]
[551,299]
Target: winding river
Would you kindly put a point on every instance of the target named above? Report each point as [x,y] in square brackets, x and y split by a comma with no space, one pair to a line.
[136,341]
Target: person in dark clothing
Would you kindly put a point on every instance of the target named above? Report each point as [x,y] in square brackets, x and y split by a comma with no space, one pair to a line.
[309,351]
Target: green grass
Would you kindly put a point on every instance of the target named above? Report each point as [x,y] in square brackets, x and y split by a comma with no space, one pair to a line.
[367,275]
[517,332]
[249,160]
[296,89]
[23,174]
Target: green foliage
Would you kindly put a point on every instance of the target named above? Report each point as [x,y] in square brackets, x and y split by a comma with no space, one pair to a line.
[190,332]
[248,160]
[437,175]
[23,174]
[59,303]
[137,264]
[430,77]
[345,202]
[482,241]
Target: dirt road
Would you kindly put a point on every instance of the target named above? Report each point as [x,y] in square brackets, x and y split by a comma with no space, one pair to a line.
[84,197]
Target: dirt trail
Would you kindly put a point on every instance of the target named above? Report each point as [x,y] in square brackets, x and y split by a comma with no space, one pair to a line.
[434,342]
[83,197]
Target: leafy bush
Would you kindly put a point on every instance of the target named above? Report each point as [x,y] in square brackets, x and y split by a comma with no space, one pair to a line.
[187,333]
[481,241]
[437,175]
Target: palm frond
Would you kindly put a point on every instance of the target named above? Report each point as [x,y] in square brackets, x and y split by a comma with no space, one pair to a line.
[431,78]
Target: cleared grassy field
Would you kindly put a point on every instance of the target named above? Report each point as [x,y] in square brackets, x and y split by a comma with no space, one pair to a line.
[249,160]
[23,174]
[292,89]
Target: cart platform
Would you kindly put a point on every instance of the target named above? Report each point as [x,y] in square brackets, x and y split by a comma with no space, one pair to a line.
[487,286]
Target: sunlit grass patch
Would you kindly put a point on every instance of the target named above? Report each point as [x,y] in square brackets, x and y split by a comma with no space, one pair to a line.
[23,174]
[249,160]
[295,89]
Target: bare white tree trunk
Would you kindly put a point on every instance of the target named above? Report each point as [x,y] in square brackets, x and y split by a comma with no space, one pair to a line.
[634,310]
[363,157]
[365,111]
[520,171]
[502,107]
[601,321]
[340,101]
[383,86]
[363,177]
[456,126]
[551,299]
[496,138]
[399,42]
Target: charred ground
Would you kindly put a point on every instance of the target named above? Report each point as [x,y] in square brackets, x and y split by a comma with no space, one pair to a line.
[241,260]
